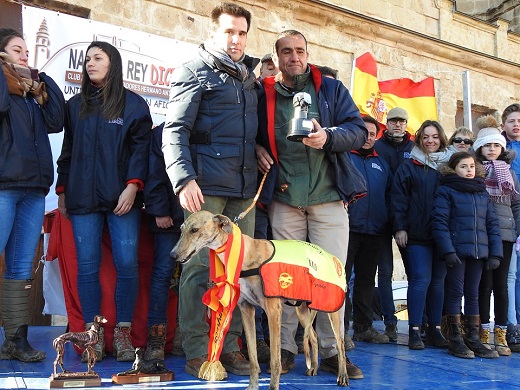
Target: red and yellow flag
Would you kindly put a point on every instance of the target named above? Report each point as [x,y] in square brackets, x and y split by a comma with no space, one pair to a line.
[376,98]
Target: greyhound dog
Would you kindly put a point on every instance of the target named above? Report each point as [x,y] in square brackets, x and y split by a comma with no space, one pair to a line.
[203,229]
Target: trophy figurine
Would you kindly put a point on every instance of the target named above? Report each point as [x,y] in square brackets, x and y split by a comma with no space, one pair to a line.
[84,340]
[300,127]
[144,371]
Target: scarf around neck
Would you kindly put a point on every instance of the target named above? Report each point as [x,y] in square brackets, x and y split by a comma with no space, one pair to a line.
[20,81]
[236,69]
[499,181]
[433,160]
[463,184]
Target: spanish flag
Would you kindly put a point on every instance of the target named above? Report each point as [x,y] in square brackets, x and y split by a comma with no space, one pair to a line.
[376,98]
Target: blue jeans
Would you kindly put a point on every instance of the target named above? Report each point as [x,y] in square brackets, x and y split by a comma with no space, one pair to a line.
[425,284]
[194,283]
[513,290]
[385,268]
[124,236]
[21,220]
[163,267]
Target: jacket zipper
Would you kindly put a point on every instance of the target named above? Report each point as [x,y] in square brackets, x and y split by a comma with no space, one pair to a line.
[475,226]
[236,90]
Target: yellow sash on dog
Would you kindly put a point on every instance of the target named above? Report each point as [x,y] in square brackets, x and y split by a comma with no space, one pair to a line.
[222,299]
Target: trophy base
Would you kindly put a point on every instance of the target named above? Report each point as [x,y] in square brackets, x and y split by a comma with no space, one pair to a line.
[74,379]
[142,378]
[297,137]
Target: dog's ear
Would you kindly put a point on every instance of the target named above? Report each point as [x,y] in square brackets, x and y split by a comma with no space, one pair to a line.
[223,222]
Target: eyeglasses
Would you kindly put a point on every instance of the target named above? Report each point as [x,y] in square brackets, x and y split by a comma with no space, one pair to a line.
[396,121]
[459,140]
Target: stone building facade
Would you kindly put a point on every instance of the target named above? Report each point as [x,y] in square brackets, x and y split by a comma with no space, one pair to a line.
[413,39]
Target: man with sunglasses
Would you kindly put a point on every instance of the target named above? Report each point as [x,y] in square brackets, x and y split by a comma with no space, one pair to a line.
[394,147]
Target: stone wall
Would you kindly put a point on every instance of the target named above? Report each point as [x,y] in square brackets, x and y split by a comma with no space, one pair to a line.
[413,39]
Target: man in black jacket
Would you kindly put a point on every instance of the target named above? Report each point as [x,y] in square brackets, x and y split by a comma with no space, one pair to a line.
[209,152]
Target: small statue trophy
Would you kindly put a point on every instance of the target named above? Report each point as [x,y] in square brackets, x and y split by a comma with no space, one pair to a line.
[144,371]
[84,340]
[300,127]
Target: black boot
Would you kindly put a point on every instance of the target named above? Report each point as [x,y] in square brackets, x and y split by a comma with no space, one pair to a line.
[434,337]
[15,311]
[456,345]
[414,337]
[472,338]
[17,347]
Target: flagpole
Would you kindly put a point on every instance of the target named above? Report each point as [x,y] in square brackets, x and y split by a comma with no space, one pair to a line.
[352,76]
[466,99]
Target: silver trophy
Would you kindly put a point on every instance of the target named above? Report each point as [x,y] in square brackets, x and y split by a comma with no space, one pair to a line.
[300,127]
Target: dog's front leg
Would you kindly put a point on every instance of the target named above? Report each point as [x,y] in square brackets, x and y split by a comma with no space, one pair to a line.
[248,321]
[273,310]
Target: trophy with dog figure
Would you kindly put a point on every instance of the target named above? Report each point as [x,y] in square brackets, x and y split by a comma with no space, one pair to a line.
[83,340]
[300,126]
[144,371]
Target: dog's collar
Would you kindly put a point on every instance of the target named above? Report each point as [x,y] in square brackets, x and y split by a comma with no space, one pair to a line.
[250,272]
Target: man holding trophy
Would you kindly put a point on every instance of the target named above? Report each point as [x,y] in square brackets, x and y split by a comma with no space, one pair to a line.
[307,126]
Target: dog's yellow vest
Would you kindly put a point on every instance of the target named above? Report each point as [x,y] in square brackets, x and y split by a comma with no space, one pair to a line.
[303,271]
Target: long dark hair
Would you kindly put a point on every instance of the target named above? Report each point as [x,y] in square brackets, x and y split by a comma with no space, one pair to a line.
[6,34]
[112,94]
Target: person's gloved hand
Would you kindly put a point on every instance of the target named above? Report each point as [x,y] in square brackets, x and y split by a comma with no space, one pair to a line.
[452,260]
[492,263]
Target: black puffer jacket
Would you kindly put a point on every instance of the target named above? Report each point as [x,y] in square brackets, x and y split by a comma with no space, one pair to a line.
[25,150]
[210,129]
[411,200]
[99,157]
[465,223]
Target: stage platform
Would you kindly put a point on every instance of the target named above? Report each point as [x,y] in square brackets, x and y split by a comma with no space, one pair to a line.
[391,366]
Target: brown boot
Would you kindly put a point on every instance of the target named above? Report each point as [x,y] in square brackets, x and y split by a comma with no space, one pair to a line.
[235,363]
[99,347]
[500,342]
[472,338]
[123,349]
[155,343]
[485,336]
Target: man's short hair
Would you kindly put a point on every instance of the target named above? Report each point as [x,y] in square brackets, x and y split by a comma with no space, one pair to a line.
[369,119]
[515,107]
[288,33]
[230,9]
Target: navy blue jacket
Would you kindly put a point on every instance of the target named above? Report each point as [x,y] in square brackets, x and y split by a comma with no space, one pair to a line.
[210,129]
[371,214]
[392,154]
[411,200]
[99,157]
[159,198]
[25,150]
[465,223]
[342,122]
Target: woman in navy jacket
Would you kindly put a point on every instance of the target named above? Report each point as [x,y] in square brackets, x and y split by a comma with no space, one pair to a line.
[413,189]
[101,172]
[467,233]
[31,106]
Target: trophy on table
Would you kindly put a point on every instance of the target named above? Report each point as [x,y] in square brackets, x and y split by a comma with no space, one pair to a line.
[85,340]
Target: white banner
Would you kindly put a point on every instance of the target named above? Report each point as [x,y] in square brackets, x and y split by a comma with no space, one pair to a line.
[57,44]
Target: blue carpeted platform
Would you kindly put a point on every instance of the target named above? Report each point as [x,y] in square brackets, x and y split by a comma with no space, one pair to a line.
[384,366]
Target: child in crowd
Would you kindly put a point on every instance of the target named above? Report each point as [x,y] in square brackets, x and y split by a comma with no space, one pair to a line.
[466,231]
[502,186]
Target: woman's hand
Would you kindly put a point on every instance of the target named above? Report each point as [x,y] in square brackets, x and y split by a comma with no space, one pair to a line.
[61,205]
[164,222]
[401,238]
[126,200]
